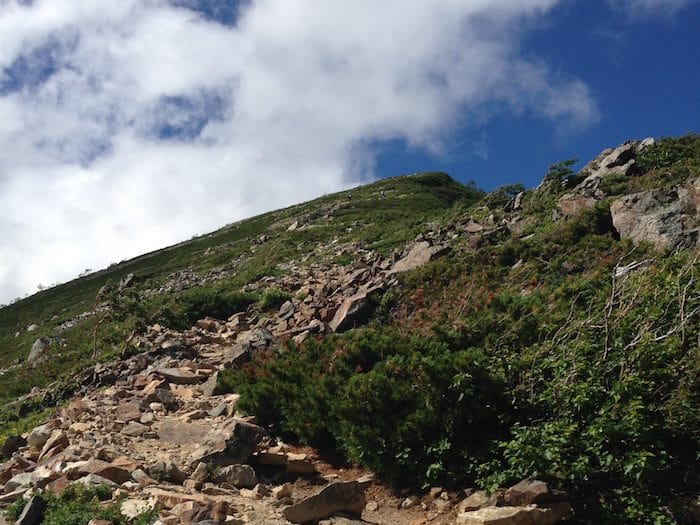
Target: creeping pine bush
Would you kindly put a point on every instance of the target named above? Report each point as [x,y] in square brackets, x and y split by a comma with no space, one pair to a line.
[410,408]
[196,303]
[597,396]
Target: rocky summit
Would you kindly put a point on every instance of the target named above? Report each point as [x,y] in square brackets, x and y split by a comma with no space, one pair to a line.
[416,352]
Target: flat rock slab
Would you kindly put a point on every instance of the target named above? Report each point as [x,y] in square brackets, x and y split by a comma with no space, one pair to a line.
[182,376]
[419,254]
[128,412]
[343,496]
[181,433]
[530,515]
[113,473]
[169,499]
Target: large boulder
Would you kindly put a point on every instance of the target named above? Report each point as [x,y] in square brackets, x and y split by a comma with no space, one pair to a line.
[667,218]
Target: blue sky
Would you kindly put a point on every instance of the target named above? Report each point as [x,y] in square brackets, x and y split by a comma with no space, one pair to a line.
[643,71]
[129,125]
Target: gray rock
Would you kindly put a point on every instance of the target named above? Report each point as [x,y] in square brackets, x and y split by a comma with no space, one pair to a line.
[181,375]
[286,310]
[419,254]
[588,192]
[39,436]
[134,429]
[667,218]
[236,356]
[354,310]
[181,433]
[531,515]
[476,501]
[530,491]
[230,446]
[211,386]
[346,497]
[240,476]
[38,349]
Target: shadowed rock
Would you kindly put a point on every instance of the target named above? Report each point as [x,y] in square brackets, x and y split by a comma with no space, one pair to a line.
[347,497]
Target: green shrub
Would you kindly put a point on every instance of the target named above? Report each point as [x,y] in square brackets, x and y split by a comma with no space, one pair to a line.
[78,504]
[273,298]
[409,408]
[197,303]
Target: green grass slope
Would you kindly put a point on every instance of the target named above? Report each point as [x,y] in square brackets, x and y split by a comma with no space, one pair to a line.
[237,255]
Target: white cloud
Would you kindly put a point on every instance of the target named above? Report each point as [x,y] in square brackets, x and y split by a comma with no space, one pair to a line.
[647,7]
[143,123]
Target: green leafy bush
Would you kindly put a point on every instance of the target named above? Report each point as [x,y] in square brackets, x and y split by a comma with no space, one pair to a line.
[78,504]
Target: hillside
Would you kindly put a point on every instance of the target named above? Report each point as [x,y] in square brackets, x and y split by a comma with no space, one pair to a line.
[431,333]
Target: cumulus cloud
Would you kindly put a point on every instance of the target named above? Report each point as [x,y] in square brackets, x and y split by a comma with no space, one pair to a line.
[129,125]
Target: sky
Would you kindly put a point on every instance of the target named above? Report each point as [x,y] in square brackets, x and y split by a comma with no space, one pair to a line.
[130,125]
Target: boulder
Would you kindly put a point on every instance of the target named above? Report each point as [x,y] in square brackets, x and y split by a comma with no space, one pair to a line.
[211,386]
[530,491]
[531,515]
[57,441]
[38,478]
[476,501]
[132,508]
[342,496]
[135,429]
[240,476]
[667,218]
[588,192]
[39,436]
[38,349]
[230,446]
[419,254]
[354,310]
[128,412]
[182,375]
[236,356]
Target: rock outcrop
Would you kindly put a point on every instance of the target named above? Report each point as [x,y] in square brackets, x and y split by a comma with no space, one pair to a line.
[613,161]
[666,218]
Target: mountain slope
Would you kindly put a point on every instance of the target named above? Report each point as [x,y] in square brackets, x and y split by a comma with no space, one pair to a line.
[427,331]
